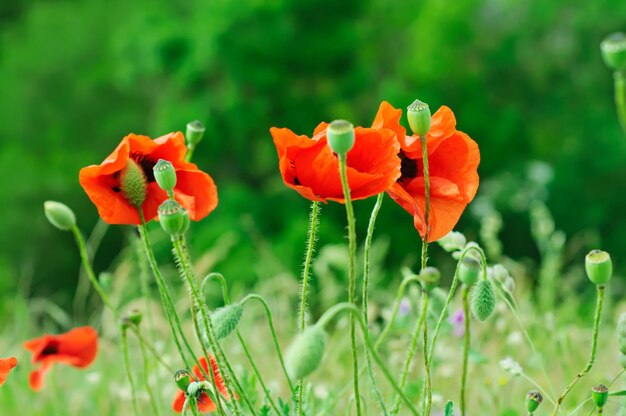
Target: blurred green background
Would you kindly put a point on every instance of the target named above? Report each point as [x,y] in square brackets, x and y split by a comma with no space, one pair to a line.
[524,78]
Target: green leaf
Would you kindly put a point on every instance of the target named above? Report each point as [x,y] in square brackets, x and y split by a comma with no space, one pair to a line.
[449,409]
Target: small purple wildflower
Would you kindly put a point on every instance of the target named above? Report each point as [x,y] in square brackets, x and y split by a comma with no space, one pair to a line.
[405,307]
[457,320]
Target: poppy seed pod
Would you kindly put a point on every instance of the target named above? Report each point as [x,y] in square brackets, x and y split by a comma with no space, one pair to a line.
[483,300]
[165,175]
[133,183]
[340,134]
[418,114]
[194,133]
[226,319]
[599,267]
[533,400]
[182,379]
[600,395]
[134,316]
[430,276]
[59,215]
[173,218]
[469,269]
[306,352]
[613,49]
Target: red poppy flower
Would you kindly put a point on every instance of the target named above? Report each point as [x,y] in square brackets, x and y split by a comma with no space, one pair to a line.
[205,404]
[77,347]
[195,190]
[453,159]
[310,167]
[6,365]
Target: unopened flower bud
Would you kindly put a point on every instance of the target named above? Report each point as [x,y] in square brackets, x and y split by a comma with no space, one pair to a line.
[418,114]
[226,319]
[306,352]
[182,379]
[600,395]
[453,241]
[135,316]
[469,269]
[430,276]
[173,218]
[340,136]
[599,267]
[483,300]
[613,49]
[133,183]
[533,400]
[59,215]
[165,175]
[194,133]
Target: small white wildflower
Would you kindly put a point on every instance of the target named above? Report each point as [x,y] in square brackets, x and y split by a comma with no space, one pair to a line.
[509,365]
[452,241]
[514,339]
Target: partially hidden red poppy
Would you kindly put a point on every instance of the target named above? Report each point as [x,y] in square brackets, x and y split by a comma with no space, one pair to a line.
[205,404]
[6,365]
[453,159]
[308,166]
[77,348]
[195,190]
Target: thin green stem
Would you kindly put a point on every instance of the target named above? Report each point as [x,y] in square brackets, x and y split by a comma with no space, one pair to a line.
[144,282]
[366,279]
[620,96]
[129,372]
[308,259]
[182,255]
[383,334]
[82,288]
[412,349]
[594,348]
[354,311]
[270,322]
[343,171]
[466,346]
[80,242]
[146,378]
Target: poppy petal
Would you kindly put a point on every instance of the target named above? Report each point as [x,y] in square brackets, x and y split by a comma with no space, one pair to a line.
[6,365]
[36,379]
[179,402]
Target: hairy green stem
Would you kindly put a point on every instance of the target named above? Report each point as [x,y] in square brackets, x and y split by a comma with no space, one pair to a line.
[129,372]
[343,172]
[594,349]
[354,311]
[466,346]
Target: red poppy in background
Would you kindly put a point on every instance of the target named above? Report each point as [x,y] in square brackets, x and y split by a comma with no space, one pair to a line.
[453,159]
[195,190]
[205,404]
[77,347]
[310,167]
[6,365]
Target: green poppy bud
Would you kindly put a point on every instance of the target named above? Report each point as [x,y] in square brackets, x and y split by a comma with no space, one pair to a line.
[613,49]
[226,319]
[533,400]
[59,215]
[340,135]
[483,300]
[134,316]
[182,379]
[173,218]
[133,183]
[469,270]
[599,267]
[194,133]
[600,395]
[306,352]
[418,114]
[165,175]
[430,276]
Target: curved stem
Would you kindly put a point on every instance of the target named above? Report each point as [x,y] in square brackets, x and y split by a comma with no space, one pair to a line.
[351,276]
[383,334]
[466,346]
[594,348]
[270,322]
[80,242]
[412,349]
[129,372]
[354,311]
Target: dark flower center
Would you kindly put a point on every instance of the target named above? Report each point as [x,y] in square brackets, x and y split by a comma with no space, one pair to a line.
[146,164]
[408,167]
[51,349]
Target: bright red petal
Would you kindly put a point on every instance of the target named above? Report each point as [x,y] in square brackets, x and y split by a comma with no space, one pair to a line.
[6,365]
